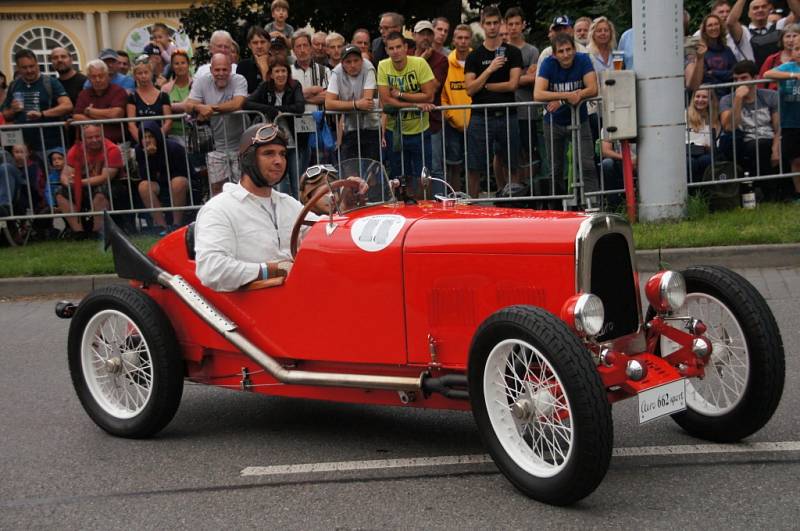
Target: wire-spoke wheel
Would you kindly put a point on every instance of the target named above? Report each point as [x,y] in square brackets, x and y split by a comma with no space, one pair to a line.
[540,405]
[743,380]
[726,374]
[124,362]
[116,364]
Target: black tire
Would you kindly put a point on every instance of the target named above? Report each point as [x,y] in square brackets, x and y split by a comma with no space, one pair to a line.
[165,372]
[585,466]
[767,366]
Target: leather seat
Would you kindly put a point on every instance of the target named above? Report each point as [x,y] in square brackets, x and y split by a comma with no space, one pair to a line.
[189,239]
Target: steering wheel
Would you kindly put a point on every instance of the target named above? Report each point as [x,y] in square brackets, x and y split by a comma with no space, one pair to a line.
[319,193]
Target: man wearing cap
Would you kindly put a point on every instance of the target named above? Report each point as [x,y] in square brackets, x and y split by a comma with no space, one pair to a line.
[424,38]
[110,58]
[243,233]
[561,24]
[352,88]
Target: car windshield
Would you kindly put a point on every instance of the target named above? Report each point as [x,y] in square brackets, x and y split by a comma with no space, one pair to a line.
[376,177]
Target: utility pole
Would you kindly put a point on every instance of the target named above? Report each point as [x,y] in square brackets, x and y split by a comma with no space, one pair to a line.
[658,62]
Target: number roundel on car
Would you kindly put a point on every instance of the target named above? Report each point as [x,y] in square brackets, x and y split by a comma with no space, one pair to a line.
[375,233]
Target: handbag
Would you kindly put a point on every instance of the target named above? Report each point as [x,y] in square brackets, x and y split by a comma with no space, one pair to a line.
[199,137]
[323,137]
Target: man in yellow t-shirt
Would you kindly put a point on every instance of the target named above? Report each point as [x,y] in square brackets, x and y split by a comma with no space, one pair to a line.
[404,82]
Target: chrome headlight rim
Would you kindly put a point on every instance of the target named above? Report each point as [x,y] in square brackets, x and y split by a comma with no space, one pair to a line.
[672,290]
[585,315]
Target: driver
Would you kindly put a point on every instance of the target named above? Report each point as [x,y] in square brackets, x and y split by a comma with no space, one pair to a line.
[322,175]
[243,233]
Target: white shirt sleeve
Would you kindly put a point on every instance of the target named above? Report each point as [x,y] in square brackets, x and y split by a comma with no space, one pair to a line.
[215,247]
[369,80]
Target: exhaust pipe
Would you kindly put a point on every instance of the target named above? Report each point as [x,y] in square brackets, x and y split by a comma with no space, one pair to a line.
[227,329]
[131,263]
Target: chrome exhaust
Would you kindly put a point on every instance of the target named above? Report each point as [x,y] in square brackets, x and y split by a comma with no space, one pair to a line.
[228,330]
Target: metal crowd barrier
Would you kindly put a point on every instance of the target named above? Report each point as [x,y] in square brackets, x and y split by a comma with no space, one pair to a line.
[34,196]
[740,163]
[536,174]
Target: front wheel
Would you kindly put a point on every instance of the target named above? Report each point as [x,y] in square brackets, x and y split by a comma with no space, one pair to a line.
[540,405]
[124,362]
[743,380]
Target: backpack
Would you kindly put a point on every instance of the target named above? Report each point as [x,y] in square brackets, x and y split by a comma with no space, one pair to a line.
[47,81]
[722,196]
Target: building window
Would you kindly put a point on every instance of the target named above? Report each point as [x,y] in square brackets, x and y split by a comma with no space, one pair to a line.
[41,40]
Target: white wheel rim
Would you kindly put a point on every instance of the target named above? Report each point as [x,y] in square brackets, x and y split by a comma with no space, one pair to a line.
[728,370]
[116,364]
[528,408]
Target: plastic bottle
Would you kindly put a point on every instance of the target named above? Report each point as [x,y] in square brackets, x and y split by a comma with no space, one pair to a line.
[749,194]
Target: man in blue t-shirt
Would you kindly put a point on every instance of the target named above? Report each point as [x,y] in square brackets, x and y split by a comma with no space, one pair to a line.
[565,80]
[33,98]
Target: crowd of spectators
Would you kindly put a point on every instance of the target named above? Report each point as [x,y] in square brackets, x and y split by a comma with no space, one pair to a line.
[383,93]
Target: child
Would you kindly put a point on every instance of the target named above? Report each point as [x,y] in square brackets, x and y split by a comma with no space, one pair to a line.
[278,27]
[55,158]
[159,34]
[32,176]
[789,89]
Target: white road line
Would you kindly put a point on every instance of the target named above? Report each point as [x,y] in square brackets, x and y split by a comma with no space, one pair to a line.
[450,460]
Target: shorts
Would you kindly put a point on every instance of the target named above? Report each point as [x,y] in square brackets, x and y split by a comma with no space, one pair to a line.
[222,166]
[790,145]
[86,198]
[503,137]
[453,145]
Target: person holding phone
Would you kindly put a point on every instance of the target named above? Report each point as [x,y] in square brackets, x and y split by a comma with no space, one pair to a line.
[491,75]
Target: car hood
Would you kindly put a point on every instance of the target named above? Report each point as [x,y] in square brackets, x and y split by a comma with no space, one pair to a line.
[477,229]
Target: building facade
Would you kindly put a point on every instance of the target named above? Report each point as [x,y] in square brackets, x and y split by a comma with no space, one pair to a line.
[83,28]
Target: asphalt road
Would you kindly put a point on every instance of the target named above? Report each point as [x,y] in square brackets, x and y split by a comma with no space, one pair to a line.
[57,470]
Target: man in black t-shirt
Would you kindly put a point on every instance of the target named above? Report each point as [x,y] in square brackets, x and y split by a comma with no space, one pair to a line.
[70,79]
[492,74]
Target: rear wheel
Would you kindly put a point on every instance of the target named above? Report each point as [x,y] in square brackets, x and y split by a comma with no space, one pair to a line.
[540,405]
[124,362]
[744,378]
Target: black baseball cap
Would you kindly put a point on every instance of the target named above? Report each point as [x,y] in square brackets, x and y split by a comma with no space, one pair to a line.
[351,49]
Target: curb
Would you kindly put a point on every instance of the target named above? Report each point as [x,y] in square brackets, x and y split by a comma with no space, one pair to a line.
[735,257]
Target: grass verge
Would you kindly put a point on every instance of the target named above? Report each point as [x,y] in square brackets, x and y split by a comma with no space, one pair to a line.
[56,258]
[769,223]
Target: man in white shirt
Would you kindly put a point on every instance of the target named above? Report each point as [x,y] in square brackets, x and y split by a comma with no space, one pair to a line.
[313,77]
[220,42]
[760,38]
[243,233]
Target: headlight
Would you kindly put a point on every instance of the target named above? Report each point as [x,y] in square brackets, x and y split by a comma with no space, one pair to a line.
[589,314]
[666,291]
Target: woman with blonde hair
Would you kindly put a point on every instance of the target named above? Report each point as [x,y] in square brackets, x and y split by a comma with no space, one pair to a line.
[146,100]
[702,127]
[602,41]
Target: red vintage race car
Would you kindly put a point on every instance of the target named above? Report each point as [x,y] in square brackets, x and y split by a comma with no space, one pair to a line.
[531,319]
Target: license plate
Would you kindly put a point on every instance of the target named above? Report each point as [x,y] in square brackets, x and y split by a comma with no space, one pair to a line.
[662,400]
